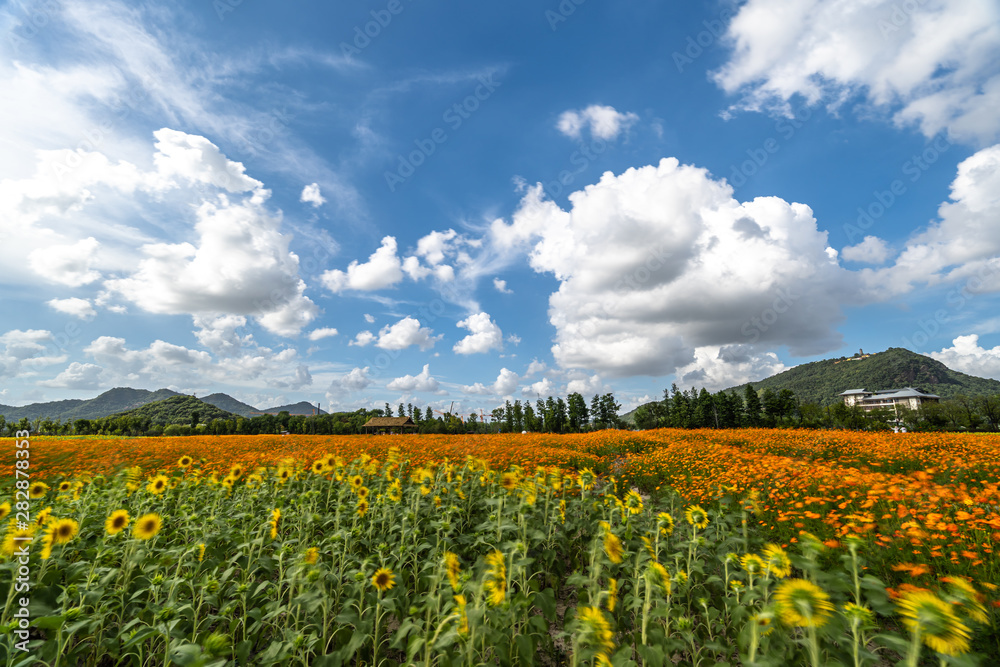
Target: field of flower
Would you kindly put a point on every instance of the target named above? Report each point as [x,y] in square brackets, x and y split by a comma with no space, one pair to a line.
[749,547]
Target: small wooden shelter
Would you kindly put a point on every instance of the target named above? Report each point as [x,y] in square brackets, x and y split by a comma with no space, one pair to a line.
[388,425]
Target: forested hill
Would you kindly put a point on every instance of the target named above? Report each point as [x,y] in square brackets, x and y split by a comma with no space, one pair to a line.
[821,382]
[181,409]
[114,400]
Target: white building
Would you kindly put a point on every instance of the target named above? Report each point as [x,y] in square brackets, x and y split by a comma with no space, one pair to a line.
[887,398]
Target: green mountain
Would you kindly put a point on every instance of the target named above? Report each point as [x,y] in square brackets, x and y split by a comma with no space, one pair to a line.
[301,408]
[177,410]
[230,404]
[821,382]
[110,402]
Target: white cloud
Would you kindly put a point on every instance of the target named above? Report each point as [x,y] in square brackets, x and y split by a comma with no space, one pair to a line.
[369,319]
[932,63]
[541,389]
[435,246]
[484,335]
[967,356]
[383,269]
[219,334]
[363,338]
[722,272]
[196,159]
[404,333]
[504,385]
[66,264]
[76,376]
[501,286]
[587,386]
[356,380]
[716,367]
[21,349]
[535,366]
[871,250]
[514,339]
[311,195]
[414,383]
[74,306]
[604,122]
[240,265]
[963,244]
[324,332]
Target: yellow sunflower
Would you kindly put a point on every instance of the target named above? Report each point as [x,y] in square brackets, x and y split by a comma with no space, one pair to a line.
[696,516]
[383,579]
[463,618]
[496,578]
[158,484]
[778,562]
[613,547]
[4,510]
[596,630]
[15,539]
[37,490]
[185,461]
[312,555]
[661,577]
[453,568]
[802,604]
[65,486]
[934,621]
[147,526]
[116,522]
[275,518]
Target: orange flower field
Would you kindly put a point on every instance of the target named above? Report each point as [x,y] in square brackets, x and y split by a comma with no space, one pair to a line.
[930,502]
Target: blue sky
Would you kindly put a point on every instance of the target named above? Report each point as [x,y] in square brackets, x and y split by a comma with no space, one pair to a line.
[437,202]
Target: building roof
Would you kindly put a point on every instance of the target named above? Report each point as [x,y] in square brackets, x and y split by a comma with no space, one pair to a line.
[908,392]
[390,421]
[853,391]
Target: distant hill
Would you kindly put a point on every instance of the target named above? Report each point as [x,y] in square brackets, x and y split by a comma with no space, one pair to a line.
[301,408]
[177,410]
[230,404]
[110,402]
[821,381]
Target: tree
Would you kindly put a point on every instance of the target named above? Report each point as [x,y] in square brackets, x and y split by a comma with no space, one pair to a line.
[401,410]
[576,407]
[989,407]
[508,416]
[752,406]
[518,417]
[530,421]
[429,413]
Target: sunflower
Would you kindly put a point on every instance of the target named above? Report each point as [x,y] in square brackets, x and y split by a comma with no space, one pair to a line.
[383,579]
[42,517]
[858,616]
[395,491]
[778,562]
[117,522]
[496,578]
[596,630]
[697,516]
[508,481]
[15,539]
[147,526]
[934,621]
[63,530]
[453,569]
[284,474]
[201,552]
[185,461]
[275,518]
[633,501]
[236,471]
[357,482]
[362,492]
[613,547]
[318,467]
[65,486]
[612,594]
[4,510]
[37,490]
[802,604]
[660,576]
[665,522]
[752,564]
[763,622]
[362,507]
[312,555]
[962,592]
[228,482]
[158,484]
[463,618]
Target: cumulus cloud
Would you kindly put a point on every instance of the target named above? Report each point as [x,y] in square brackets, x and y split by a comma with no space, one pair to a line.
[74,306]
[319,334]
[504,385]
[404,333]
[311,195]
[422,382]
[967,356]
[871,250]
[355,380]
[363,338]
[627,307]
[484,335]
[720,367]
[189,157]
[962,244]
[604,122]
[76,376]
[68,264]
[241,264]
[369,319]
[20,349]
[383,269]
[930,63]
[501,286]
[219,334]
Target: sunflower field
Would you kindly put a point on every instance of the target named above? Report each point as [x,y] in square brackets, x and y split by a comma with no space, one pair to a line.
[748,547]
